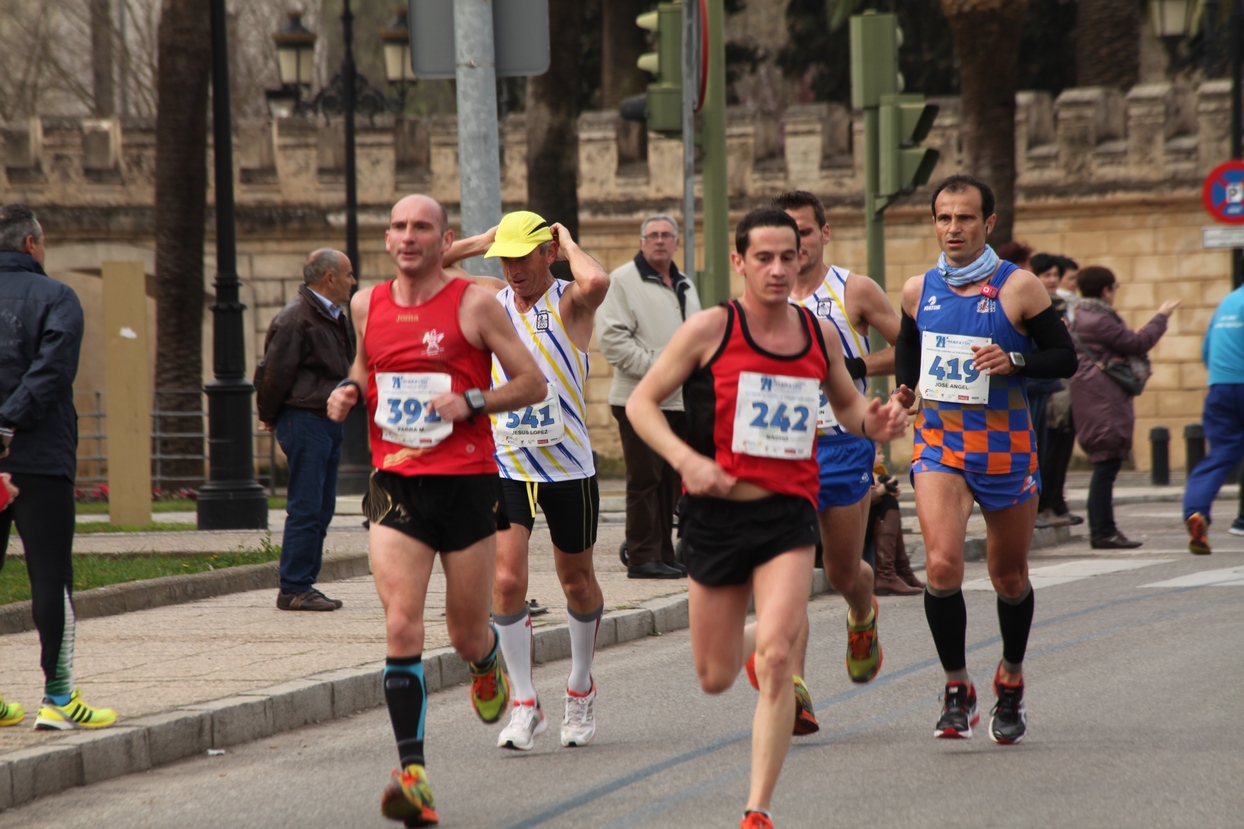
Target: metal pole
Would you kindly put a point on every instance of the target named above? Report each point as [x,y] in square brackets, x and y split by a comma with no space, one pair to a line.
[231,499]
[690,97]
[355,466]
[874,219]
[479,154]
[715,287]
[1237,36]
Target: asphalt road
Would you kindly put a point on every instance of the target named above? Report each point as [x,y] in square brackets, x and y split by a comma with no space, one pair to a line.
[1135,720]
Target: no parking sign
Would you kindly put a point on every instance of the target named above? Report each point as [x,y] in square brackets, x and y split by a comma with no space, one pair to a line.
[1223,192]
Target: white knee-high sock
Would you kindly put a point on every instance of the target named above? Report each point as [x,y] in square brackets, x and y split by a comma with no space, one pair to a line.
[583,627]
[514,631]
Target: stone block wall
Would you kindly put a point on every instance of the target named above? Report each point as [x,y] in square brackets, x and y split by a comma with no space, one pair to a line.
[1105,177]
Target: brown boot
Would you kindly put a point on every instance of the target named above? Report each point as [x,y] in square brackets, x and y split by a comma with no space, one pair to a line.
[888,537]
[902,565]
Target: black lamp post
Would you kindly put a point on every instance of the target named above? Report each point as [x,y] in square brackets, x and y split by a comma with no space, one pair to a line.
[231,499]
[345,94]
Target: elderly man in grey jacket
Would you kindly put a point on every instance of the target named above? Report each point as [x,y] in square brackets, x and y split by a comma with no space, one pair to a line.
[647,301]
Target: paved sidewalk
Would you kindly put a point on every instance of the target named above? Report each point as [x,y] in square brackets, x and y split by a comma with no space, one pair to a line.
[211,673]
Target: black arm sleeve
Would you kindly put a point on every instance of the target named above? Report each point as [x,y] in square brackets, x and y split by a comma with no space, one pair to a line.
[856,368]
[1057,355]
[907,354]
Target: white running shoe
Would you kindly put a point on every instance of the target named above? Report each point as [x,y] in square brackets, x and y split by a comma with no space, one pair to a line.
[526,721]
[579,724]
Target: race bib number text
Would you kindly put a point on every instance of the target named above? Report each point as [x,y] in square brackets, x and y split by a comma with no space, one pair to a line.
[402,411]
[775,416]
[947,370]
[538,425]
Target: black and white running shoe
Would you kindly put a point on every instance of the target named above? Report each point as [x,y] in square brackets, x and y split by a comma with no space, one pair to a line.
[959,712]
[1008,723]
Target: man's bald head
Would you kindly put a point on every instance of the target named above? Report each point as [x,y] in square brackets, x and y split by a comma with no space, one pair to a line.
[419,198]
[320,263]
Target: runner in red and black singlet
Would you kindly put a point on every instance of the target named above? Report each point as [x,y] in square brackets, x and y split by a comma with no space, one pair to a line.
[711,395]
[427,339]
[754,371]
[426,343]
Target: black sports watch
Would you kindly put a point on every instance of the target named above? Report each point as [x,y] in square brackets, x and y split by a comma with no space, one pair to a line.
[1017,359]
[474,400]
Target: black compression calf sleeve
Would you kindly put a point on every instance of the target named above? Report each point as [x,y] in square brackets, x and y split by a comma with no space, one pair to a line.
[948,622]
[1015,621]
[406,696]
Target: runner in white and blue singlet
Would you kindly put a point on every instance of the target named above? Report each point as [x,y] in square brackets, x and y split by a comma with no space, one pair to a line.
[545,460]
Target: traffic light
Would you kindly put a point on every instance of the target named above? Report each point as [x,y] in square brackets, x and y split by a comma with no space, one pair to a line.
[875,39]
[661,106]
[905,122]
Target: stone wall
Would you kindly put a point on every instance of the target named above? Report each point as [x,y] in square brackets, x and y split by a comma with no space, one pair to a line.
[1103,177]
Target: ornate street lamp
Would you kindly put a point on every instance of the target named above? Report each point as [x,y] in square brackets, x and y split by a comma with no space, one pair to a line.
[347,93]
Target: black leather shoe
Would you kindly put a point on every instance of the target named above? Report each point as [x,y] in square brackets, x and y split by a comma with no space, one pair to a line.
[677,565]
[1118,541]
[652,570]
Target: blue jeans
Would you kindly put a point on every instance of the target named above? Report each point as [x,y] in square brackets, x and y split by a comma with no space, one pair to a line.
[1223,421]
[312,445]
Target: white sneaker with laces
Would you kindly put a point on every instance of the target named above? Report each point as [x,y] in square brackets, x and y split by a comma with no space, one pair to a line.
[526,721]
[579,724]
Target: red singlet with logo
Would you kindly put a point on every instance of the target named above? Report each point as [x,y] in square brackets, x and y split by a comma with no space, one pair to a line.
[427,339]
[711,399]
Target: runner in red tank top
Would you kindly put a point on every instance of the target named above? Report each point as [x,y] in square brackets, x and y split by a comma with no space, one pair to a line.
[424,360]
[750,471]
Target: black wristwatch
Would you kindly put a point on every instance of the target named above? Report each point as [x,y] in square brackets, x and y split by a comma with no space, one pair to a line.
[1017,360]
[474,400]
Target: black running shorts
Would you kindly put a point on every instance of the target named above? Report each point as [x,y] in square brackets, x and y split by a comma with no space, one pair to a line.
[446,512]
[724,541]
[570,507]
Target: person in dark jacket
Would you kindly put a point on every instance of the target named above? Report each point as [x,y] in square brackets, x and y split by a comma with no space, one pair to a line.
[1102,410]
[307,352]
[40,338]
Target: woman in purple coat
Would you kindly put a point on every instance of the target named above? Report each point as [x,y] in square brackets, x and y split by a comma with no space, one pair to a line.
[1102,410]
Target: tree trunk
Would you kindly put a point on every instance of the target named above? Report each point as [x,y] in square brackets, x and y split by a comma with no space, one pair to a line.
[986,35]
[185,59]
[552,128]
[1108,46]
[622,42]
[101,58]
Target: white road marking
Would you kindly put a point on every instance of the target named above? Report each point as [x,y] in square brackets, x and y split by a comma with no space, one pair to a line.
[1230,577]
[1070,571]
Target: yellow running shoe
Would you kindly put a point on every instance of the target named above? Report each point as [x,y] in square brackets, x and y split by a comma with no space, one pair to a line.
[11,713]
[490,690]
[805,717]
[409,799]
[74,714]
[863,649]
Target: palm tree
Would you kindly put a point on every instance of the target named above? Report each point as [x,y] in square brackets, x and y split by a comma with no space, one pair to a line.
[185,59]
[986,35]
[1108,48]
[552,122]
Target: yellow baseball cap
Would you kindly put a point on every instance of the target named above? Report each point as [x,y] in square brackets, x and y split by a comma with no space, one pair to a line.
[518,235]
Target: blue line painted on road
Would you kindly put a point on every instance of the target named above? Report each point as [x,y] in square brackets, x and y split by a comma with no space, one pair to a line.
[654,808]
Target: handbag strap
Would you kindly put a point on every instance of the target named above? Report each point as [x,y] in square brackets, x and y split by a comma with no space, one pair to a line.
[1097,361]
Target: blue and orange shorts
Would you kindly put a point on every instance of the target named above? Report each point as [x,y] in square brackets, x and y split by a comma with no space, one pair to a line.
[993,492]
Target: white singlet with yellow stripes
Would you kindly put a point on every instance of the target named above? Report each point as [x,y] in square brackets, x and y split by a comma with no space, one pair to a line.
[827,303]
[549,441]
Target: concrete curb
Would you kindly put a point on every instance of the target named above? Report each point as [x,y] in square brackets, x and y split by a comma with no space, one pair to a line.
[144,595]
[158,739]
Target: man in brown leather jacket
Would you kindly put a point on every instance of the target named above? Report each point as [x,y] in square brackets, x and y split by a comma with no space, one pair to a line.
[307,352]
